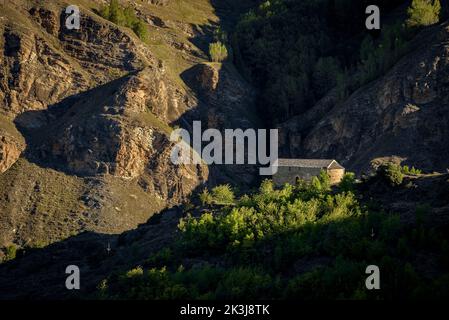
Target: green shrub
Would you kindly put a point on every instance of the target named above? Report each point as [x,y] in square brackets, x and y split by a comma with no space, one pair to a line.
[320,184]
[245,201]
[218,52]
[205,197]
[392,173]
[348,182]
[201,232]
[413,171]
[141,30]
[223,194]
[129,17]
[115,12]
[126,17]
[423,13]
[266,187]
[10,253]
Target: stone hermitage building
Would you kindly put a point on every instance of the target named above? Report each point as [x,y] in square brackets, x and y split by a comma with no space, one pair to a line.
[292,170]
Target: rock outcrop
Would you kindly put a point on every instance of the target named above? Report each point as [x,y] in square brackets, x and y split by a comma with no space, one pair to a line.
[223,101]
[45,62]
[111,130]
[208,77]
[10,150]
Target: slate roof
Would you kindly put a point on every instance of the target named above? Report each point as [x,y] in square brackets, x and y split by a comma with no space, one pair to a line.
[310,163]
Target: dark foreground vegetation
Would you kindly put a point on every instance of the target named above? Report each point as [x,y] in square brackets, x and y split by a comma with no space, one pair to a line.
[308,242]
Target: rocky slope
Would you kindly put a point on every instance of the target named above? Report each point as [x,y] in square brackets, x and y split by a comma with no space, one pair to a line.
[86,116]
[401,115]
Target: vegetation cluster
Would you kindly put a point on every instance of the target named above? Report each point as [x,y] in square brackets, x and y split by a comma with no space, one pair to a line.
[308,241]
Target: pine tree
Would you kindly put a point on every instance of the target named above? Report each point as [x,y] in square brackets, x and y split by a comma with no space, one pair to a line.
[141,30]
[130,17]
[116,13]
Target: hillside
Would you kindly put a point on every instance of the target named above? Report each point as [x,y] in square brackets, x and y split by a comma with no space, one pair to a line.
[86,117]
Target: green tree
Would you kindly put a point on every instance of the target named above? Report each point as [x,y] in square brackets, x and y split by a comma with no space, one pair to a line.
[116,13]
[218,52]
[423,13]
[141,30]
[130,19]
